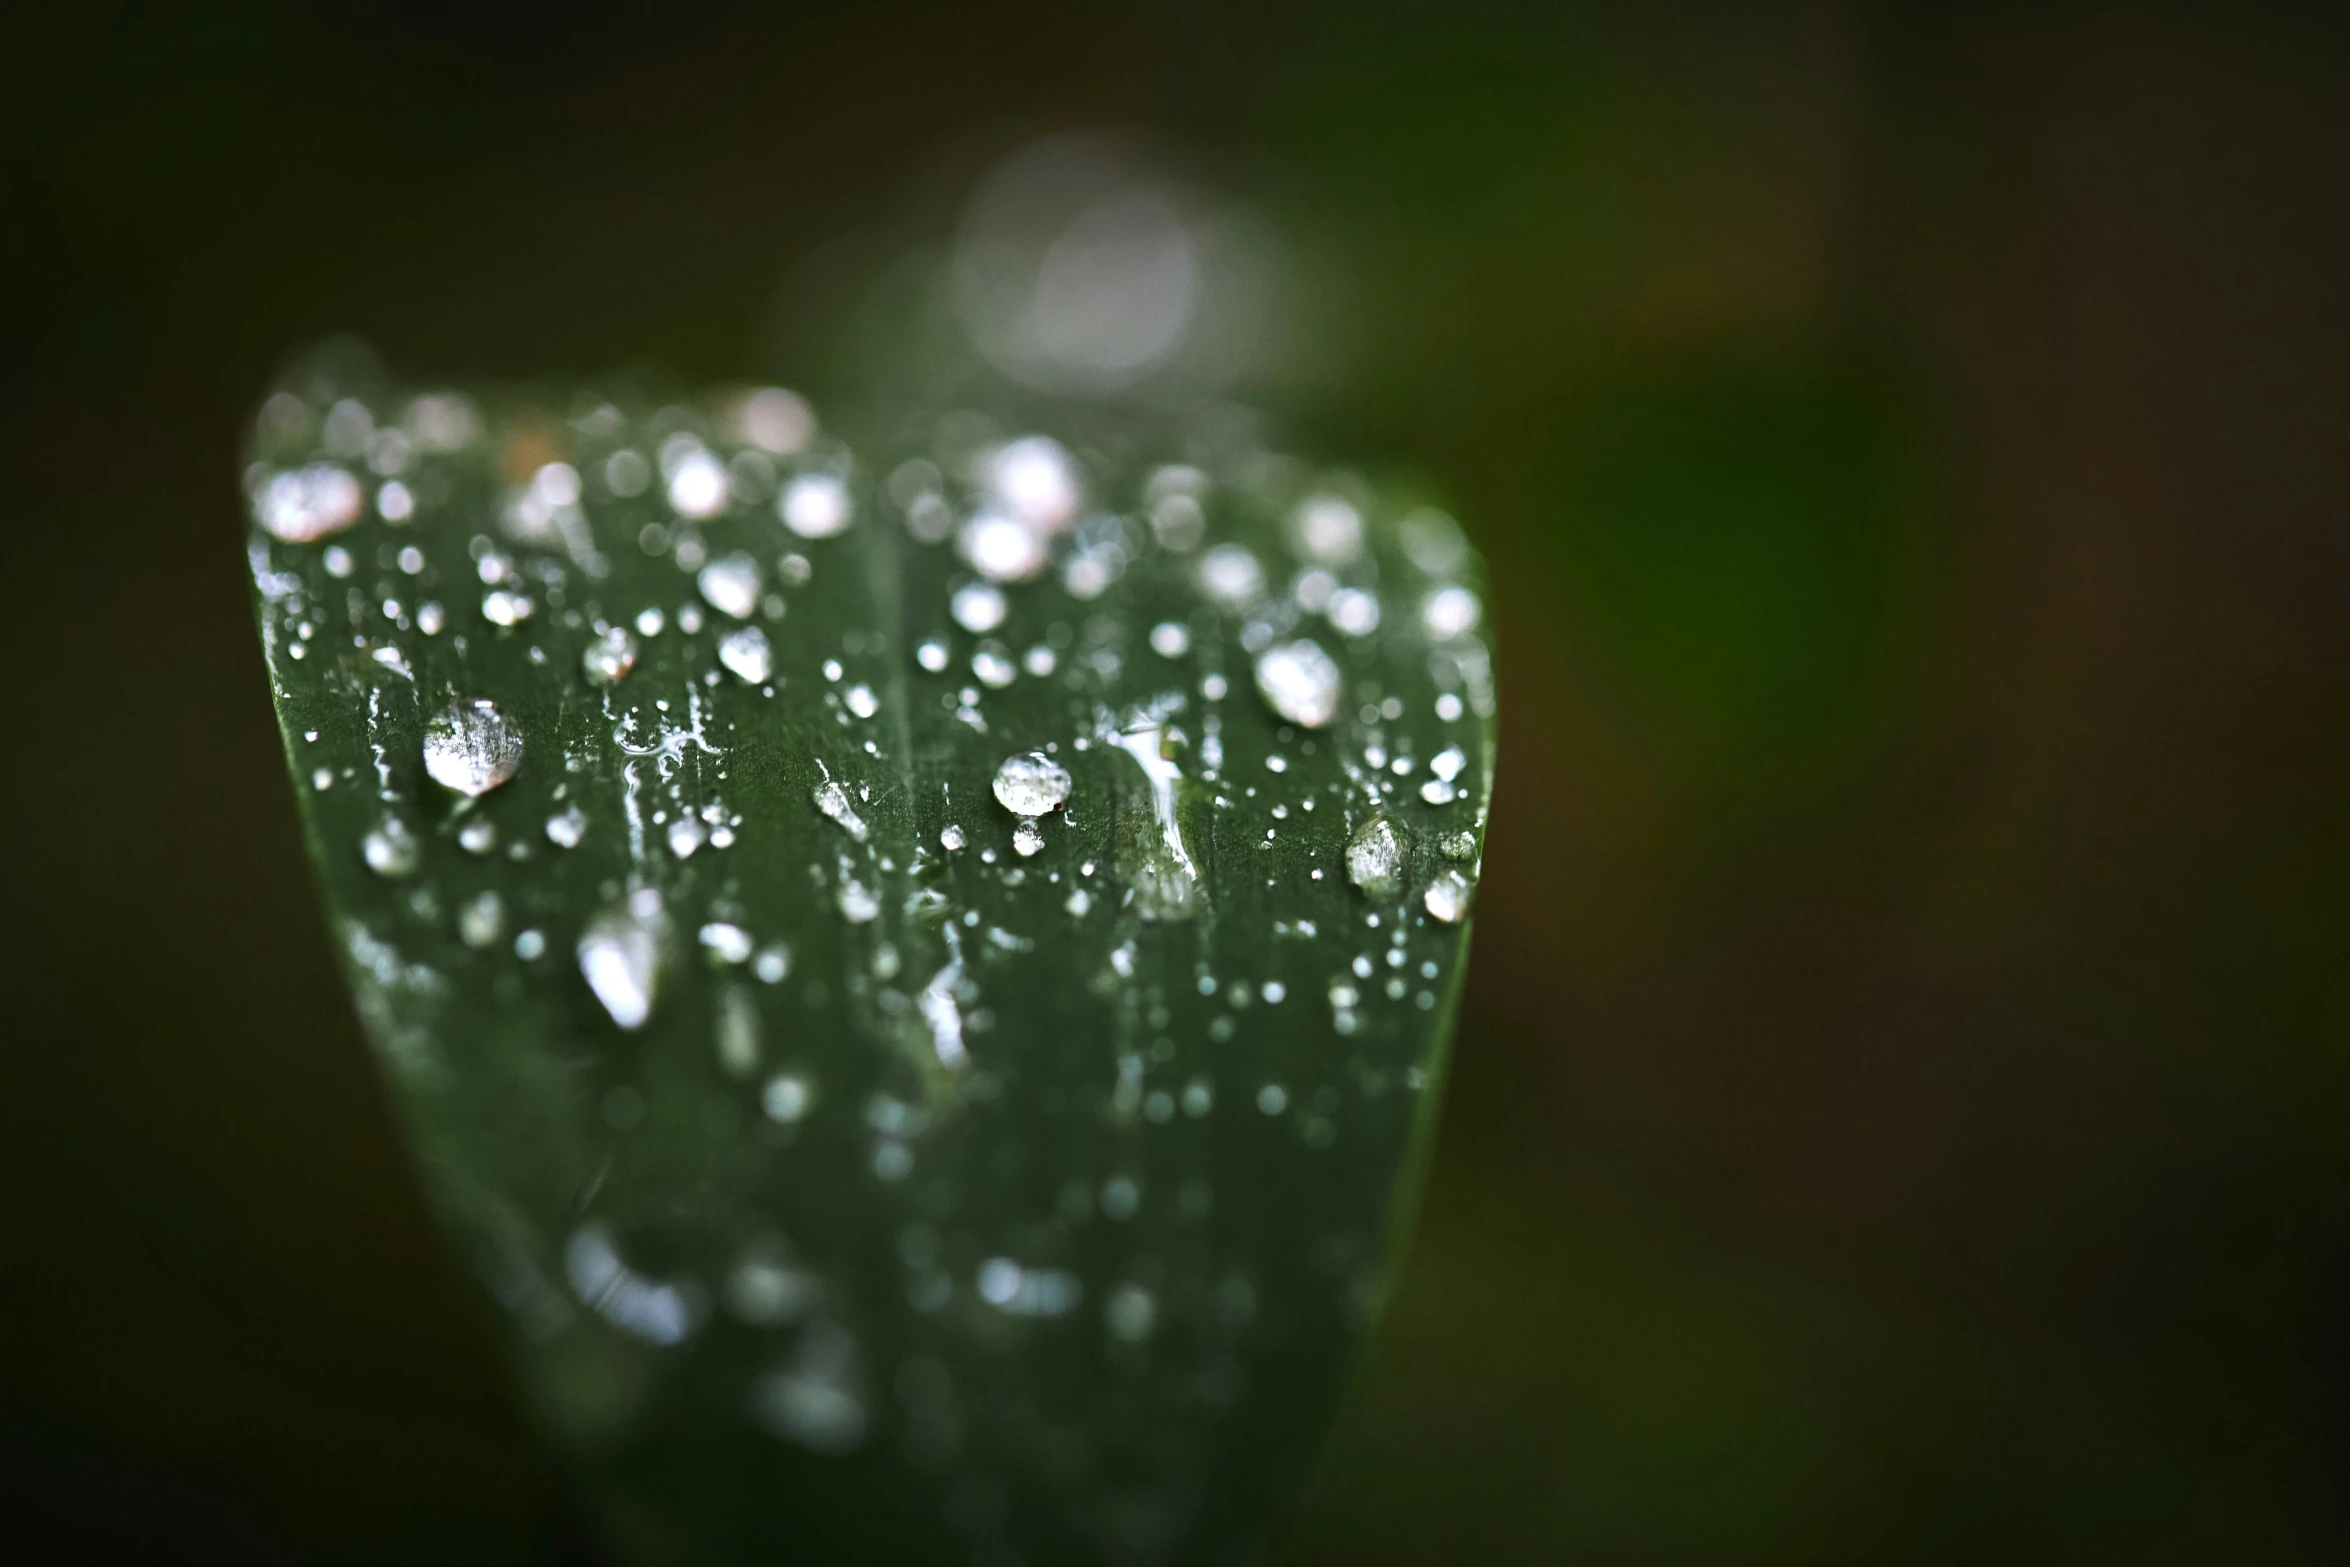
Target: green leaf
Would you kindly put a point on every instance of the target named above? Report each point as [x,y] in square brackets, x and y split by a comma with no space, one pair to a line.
[922,1064]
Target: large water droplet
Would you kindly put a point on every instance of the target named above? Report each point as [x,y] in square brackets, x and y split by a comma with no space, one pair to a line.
[1300,682]
[609,657]
[1374,859]
[622,953]
[731,585]
[1031,784]
[1448,896]
[471,747]
[745,651]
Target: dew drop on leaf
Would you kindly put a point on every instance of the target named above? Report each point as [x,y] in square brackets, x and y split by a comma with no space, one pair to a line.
[1031,783]
[471,747]
[1300,682]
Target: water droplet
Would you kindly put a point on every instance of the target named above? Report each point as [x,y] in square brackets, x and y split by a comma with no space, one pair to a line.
[858,905]
[1035,479]
[390,848]
[1448,896]
[1447,763]
[1374,859]
[338,561]
[834,802]
[1328,529]
[685,836]
[430,618]
[478,836]
[1031,783]
[308,503]
[1300,682]
[1170,639]
[1230,575]
[1272,1099]
[394,503]
[993,666]
[745,651]
[609,657]
[728,943]
[932,655]
[1450,612]
[697,482]
[787,1097]
[530,946]
[480,920]
[1437,792]
[622,953]
[772,964]
[1130,1313]
[1433,541]
[1001,548]
[731,585]
[1354,612]
[470,747]
[1026,839]
[816,506]
[861,701]
[737,1032]
[502,607]
[778,420]
[1040,661]
[951,837]
[650,620]
[566,827]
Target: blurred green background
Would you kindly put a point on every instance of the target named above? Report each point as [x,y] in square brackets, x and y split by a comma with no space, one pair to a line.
[1900,1110]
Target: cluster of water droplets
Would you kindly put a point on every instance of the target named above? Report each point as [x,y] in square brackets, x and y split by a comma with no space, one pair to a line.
[1224,781]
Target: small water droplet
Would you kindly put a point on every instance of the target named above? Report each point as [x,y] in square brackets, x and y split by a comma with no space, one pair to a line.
[993,666]
[787,1097]
[1437,792]
[1002,548]
[480,920]
[566,827]
[978,607]
[951,837]
[478,836]
[1272,1099]
[471,748]
[622,955]
[685,836]
[744,650]
[729,943]
[1026,839]
[1130,1313]
[390,849]
[1447,896]
[430,618]
[1328,529]
[1031,783]
[1230,575]
[1170,639]
[503,607]
[697,481]
[1374,859]
[530,946]
[1450,612]
[609,657]
[834,802]
[932,655]
[1354,612]
[308,503]
[731,585]
[1300,682]
[861,701]
[858,905]
[816,506]
[772,964]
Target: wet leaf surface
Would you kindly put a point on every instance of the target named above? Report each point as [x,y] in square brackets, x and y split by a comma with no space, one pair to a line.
[917,976]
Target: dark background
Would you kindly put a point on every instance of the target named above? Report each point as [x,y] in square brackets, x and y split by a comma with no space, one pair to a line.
[1903,1106]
